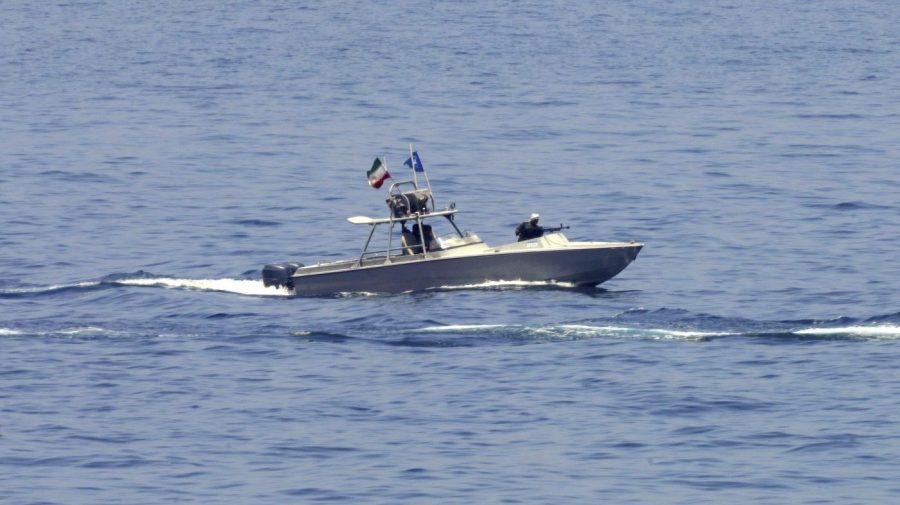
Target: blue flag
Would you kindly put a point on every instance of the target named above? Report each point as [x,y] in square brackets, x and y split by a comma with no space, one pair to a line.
[414,162]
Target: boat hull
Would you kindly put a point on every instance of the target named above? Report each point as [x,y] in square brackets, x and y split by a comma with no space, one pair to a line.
[581,266]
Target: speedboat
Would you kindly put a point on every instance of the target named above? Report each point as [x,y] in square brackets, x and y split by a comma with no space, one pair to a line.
[416,258]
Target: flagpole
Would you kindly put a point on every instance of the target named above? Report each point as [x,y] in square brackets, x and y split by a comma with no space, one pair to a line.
[413,162]
[433,203]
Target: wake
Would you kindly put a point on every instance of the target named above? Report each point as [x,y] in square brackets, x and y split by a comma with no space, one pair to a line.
[886,332]
[510,284]
[582,331]
[576,332]
[249,287]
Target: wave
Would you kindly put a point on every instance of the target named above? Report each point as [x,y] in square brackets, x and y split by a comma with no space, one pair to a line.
[475,335]
[583,331]
[573,332]
[636,323]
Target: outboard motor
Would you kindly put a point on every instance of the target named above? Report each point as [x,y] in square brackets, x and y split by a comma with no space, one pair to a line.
[279,274]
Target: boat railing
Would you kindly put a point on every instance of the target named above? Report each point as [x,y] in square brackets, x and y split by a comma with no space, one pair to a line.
[395,253]
[443,243]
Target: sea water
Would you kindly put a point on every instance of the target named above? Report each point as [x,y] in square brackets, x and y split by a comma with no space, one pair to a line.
[153,156]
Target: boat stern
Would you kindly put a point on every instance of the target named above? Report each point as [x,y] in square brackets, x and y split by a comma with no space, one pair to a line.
[279,274]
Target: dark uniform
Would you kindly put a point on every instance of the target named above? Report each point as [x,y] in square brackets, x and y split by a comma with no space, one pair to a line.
[529,230]
[410,240]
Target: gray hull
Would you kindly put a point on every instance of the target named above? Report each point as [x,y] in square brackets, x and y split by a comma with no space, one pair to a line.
[584,266]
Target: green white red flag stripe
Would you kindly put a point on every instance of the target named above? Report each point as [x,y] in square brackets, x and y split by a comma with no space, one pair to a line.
[377,174]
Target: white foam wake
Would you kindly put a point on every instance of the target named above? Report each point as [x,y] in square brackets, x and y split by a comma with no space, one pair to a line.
[509,284]
[578,331]
[661,333]
[77,331]
[463,327]
[47,289]
[884,331]
[585,331]
[82,330]
[240,286]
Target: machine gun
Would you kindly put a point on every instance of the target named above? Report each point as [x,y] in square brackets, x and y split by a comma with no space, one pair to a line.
[551,229]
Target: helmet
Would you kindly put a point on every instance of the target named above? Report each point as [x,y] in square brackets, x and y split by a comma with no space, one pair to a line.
[534,216]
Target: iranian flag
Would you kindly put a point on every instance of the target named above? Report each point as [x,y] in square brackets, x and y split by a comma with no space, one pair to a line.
[377,174]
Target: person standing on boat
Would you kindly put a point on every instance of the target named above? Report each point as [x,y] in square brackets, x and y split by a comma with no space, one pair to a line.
[530,229]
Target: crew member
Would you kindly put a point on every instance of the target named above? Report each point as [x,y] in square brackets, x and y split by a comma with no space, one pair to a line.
[530,229]
[431,243]
[409,239]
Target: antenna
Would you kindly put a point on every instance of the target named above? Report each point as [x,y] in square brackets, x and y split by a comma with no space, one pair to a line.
[412,162]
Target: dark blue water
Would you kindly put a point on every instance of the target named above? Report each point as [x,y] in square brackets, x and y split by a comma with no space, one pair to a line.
[154,156]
